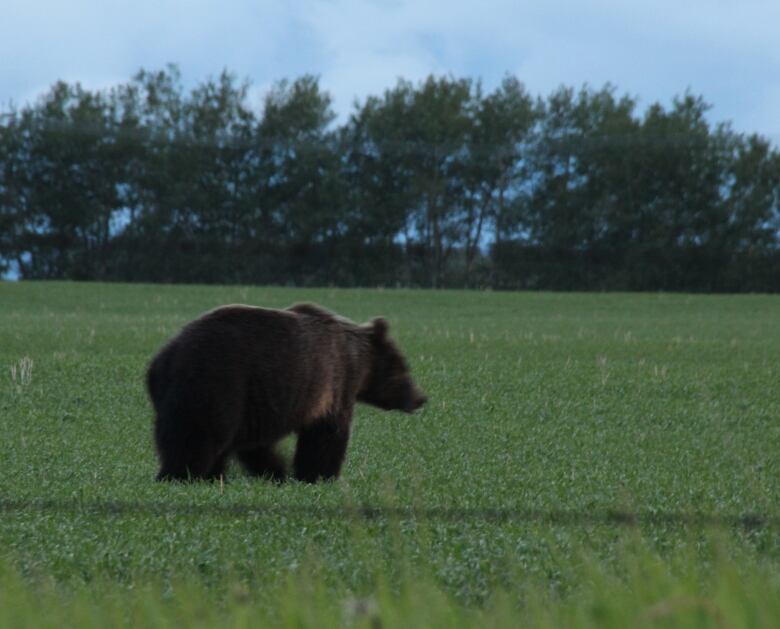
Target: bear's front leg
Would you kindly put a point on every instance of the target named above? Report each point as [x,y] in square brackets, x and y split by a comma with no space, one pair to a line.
[320,450]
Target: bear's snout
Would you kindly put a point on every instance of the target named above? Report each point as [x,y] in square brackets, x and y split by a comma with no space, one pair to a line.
[416,400]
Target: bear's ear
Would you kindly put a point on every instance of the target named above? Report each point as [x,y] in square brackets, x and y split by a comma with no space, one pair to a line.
[380,327]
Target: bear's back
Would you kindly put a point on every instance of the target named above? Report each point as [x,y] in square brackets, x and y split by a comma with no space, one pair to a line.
[299,346]
[227,340]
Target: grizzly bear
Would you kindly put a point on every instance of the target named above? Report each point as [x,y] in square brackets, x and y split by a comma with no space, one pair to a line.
[239,378]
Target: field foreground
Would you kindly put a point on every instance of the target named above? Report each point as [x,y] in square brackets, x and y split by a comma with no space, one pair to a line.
[583,460]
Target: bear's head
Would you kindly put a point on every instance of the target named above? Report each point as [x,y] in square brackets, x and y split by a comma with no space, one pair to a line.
[389,385]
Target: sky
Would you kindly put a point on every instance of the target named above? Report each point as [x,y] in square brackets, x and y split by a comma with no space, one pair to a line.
[726,51]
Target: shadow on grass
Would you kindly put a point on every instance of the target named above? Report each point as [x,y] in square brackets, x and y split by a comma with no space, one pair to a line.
[367,512]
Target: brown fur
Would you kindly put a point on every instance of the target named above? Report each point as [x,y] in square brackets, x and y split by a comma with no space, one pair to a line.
[238,379]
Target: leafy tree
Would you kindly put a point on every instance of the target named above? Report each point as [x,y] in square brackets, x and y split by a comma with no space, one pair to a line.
[298,170]
[147,182]
[579,168]
[65,194]
[154,145]
[424,133]
[495,171]
[11,224]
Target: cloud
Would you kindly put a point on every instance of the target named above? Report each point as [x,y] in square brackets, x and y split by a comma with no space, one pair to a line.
[652,49]
[100,43]
[367,46]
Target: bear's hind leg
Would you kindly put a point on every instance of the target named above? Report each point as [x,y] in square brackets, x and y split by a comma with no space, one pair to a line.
[263,461]
[186,457]
[200,463]
[320,451]
[193,435]
[218,468]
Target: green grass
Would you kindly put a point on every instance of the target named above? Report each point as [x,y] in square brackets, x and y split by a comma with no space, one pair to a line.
[548,414]
[651,592]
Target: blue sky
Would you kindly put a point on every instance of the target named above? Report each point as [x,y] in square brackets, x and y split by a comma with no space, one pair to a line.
[729,52]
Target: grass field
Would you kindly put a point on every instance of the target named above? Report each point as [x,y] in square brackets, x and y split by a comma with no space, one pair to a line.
[584,460]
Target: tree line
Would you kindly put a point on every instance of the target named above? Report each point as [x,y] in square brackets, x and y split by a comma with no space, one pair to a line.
[437,184]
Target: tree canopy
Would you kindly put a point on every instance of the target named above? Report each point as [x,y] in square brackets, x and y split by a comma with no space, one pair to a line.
[436,184]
